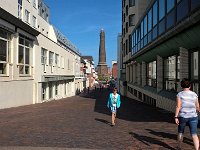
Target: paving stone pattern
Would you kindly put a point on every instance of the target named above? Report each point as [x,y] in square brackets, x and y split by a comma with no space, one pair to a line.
[84,122]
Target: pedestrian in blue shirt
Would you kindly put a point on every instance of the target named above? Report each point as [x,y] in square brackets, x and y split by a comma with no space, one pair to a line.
[113,103]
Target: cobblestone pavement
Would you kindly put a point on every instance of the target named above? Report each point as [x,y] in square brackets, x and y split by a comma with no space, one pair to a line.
[83,122]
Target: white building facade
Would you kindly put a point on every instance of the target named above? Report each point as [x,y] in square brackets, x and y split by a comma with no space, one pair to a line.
[37,62]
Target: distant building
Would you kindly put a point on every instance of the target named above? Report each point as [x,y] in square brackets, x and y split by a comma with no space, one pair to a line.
[114,70]
[132,11]
[113,62]
[89,70]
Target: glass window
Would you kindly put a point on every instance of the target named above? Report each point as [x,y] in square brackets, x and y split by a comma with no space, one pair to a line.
[27,51]
[170,5]
[195,71]
[139,36]
[145,25]
[57,60]
[150,20]
[51,58]
[135,38]
[149,37]
[50,90]
[195,65]
[155,13]
[136,35]
[170,19]
[21,55]
[126,27]
[132,39]
[195,4]
[4,51]
[131,3]
[44,56]
[171,72]
[142,43]
[131,20]
[145,40]
[161,27]
[130,43]
[155,32]
[27,14]
[182,10]
[20,2]
[56,88]
[126,46]
[68,64]
[34,22]
[151,74]
[127,10]
[24,55]
[161,9]
[44,86]
[34,3]
[142,29]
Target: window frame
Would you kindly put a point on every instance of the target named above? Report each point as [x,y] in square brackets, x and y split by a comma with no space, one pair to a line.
[24,64]
[6,61]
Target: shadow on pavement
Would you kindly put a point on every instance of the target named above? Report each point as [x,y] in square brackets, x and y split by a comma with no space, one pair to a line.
[130,109]
[169,136]
[103,121]
[150,140]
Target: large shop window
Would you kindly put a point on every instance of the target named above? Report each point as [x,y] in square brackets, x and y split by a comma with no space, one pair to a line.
[50,90]
[24,55]
[56,88]
[4,51]
[44,88]
[171,73]
[151,74]
[195,71]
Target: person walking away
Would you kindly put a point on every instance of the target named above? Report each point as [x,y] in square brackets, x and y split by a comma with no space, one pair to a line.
[187,106]
[113,103]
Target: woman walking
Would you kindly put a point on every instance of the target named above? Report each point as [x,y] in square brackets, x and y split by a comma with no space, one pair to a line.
[113,103]
[186,113]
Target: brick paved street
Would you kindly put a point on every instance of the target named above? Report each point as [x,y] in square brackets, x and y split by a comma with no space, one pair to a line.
[84,122]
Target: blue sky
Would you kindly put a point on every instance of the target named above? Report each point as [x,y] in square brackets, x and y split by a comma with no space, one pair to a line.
[81,21]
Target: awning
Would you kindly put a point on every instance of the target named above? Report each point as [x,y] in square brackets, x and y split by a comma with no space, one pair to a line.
[17,22]
[49,78]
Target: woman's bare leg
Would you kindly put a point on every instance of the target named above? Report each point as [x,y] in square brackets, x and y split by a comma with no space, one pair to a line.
[195,141]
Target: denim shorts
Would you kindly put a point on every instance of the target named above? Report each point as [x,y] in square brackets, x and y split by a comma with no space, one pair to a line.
[191,122]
